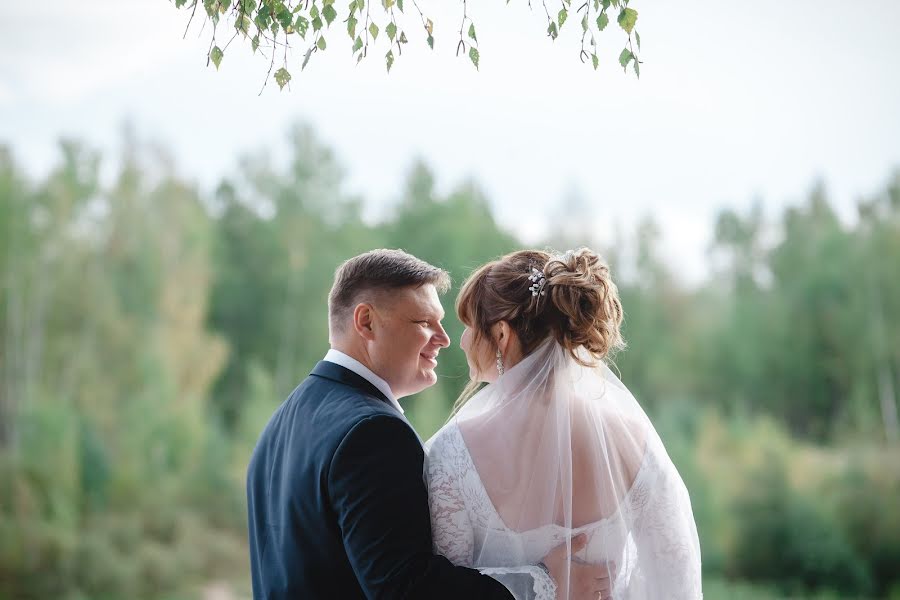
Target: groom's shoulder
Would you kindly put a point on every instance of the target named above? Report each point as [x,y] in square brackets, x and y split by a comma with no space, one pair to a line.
[340,407]
[356,423]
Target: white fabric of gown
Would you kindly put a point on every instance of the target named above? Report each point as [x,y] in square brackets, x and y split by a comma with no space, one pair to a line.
[649,535]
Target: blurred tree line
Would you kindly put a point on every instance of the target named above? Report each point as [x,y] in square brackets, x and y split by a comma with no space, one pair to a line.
[149,331]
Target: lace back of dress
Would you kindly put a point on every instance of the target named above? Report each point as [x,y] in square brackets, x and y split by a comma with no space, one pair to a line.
[557,449]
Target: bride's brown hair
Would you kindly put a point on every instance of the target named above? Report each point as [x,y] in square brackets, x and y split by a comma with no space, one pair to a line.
[579,306]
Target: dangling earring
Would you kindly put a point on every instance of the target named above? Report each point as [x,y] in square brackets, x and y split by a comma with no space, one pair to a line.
[499,362]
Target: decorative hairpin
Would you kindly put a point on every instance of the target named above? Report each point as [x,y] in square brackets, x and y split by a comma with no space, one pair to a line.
[538,281]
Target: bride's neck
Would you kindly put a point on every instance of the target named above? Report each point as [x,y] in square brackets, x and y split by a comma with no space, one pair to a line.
[513,354]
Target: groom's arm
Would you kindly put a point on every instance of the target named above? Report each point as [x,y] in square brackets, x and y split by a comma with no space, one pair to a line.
[376,488]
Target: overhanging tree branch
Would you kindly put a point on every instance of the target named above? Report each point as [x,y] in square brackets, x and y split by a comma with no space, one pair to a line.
[274,17]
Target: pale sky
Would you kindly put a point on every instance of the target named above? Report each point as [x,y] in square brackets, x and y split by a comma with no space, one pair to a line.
[736,101]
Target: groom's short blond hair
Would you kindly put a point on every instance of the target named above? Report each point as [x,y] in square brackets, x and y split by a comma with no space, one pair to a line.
[363,277]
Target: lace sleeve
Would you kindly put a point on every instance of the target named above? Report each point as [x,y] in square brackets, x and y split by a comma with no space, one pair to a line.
[452,529]
[665,535]
[525,583]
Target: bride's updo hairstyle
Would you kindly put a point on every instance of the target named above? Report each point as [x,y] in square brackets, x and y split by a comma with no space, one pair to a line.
[577,302]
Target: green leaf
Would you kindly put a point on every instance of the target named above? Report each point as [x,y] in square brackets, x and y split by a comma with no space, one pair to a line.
[625,57]
[400,5]
[284,18]
[329,13]
[306,56]
[473,55]
[602,21]
[301,25]
[314,12]
[637,37]
[472,31]
[361,4]
[606,4]
[389,59]
[215,55]
[317,24]
[387,4]
[403,38]
[373,31]
[242,24]
[274,28]
[595,60]
[249,6]
[357,44]
[637,68]
[551,30]
[351,27]
[562,16]
[430,41]
[391,30]
[262,19]
[627,19]
[351,7]
[584,22]
[180,3]
[321,45]
[254,43]
[282,77]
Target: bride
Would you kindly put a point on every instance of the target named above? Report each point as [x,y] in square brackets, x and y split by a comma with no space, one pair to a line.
[554,449]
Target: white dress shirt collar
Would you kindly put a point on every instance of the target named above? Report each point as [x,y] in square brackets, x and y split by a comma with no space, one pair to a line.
[339,358]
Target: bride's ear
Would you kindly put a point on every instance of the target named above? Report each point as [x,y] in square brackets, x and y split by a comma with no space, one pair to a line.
[500,333]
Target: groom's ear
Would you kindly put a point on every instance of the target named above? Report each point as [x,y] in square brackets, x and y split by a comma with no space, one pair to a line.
[364,320]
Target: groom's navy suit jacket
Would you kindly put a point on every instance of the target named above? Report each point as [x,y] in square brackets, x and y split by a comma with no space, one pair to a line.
[337,502]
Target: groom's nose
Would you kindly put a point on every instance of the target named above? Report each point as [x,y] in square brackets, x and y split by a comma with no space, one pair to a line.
[440,337]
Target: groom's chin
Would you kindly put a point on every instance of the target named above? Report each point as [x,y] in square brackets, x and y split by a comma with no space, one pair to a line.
[427,379]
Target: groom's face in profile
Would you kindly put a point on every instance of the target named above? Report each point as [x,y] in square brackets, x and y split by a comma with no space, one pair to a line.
[408,337]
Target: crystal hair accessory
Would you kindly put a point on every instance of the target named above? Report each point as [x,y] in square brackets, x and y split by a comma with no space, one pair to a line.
[538,282]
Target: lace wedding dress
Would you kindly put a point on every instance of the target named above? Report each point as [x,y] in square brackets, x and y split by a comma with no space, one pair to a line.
[552,450]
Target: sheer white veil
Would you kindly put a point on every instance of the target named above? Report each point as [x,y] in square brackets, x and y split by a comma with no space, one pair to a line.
[562,448]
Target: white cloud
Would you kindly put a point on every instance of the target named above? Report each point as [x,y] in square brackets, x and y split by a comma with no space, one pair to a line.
[6,94]
[83,48]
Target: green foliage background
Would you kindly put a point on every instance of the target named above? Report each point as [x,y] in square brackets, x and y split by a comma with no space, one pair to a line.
[148,332]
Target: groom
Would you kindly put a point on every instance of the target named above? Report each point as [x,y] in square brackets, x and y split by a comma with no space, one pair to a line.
[337,504]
